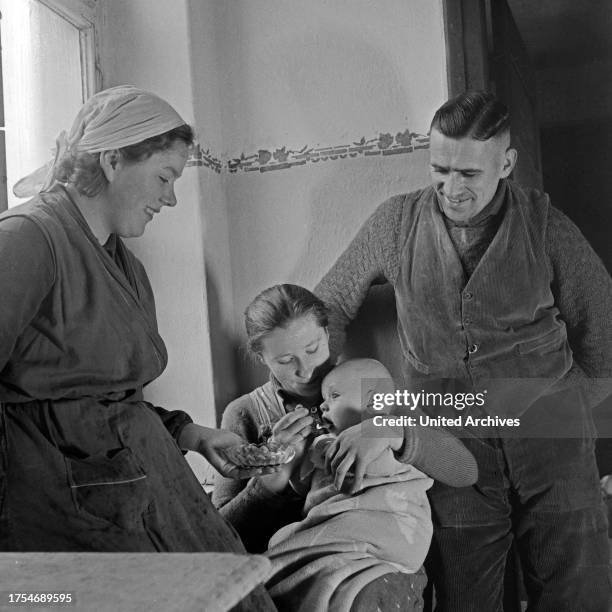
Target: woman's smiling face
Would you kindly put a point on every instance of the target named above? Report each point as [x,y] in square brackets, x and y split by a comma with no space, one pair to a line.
[298,355]
[138,190]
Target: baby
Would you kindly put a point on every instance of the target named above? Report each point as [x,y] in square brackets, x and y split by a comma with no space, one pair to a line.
[386,526]
[348,393]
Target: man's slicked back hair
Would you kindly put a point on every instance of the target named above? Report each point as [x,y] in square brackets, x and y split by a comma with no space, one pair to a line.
[474,114]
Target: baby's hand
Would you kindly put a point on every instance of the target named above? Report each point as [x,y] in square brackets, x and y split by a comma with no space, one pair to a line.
[356,448]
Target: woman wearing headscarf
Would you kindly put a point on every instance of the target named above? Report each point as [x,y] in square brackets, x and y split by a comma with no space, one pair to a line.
[85,463]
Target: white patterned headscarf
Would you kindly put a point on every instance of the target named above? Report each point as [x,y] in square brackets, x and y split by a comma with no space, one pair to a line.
[111,119]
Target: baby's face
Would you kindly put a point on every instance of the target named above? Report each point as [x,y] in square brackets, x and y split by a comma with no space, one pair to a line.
[341,407]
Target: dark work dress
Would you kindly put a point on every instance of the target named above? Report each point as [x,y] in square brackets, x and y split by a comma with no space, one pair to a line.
[85,463]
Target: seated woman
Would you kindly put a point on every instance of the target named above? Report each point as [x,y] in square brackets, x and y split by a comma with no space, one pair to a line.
[85,463]
[287,331]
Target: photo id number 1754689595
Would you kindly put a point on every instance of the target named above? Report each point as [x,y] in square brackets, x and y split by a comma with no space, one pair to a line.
[35,598]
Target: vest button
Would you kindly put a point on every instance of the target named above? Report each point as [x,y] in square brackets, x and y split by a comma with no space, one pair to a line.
[467,295]
[473,348]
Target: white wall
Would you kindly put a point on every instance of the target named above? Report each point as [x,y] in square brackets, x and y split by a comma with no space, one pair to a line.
[208,78]
[146,44]
[318,71]
[313,74]
[256,77]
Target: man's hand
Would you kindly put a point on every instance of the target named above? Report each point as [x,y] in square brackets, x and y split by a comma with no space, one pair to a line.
[357,447]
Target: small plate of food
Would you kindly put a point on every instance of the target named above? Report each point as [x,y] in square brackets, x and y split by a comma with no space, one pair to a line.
[259,455]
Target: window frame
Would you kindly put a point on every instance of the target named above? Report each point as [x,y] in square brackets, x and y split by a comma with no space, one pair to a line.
[83,15]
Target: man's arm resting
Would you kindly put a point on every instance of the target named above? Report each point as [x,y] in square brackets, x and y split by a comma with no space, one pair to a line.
[370,258]
[438,454]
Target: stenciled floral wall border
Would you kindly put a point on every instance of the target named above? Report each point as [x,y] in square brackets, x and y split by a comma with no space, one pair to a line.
[266,160]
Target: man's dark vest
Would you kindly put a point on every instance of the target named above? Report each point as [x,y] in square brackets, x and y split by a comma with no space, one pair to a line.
[502,322]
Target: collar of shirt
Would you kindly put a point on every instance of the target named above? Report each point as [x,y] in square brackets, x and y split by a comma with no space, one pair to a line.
[289,400]
[485,215]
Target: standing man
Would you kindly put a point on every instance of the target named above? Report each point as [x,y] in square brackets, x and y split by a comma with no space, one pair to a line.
[495,290]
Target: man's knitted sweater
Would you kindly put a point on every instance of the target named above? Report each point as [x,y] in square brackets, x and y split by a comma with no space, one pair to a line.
[581,286]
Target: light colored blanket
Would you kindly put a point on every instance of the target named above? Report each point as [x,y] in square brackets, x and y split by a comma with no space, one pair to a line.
[347,541]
